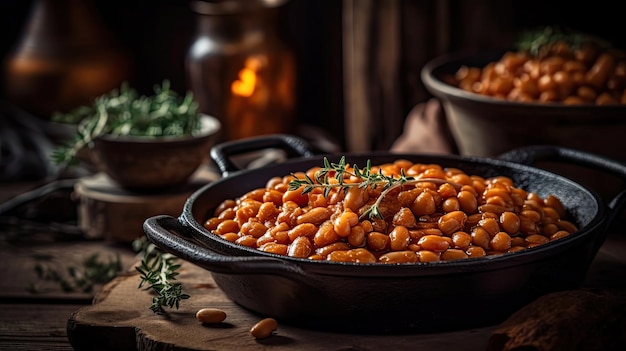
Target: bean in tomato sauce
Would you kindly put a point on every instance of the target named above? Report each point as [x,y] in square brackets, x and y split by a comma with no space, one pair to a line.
[434,214]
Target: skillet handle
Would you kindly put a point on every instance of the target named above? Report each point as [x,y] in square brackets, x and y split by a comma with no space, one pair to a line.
[529,155]
[221,153]
[167,233]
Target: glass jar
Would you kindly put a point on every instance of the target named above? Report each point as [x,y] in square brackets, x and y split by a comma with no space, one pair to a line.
[241,67]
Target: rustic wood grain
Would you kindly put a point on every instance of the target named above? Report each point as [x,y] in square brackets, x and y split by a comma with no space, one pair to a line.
[569,320]
[120,315]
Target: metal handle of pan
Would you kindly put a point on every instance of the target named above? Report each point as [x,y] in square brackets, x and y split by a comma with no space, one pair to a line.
[222,153]
[530,155]
[170,235]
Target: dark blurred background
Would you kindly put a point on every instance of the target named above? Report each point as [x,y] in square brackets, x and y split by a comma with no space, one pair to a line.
[157,35]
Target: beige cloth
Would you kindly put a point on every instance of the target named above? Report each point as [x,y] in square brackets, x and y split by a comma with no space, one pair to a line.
[425,131]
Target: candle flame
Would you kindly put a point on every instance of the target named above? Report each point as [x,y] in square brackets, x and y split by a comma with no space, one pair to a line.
[247,78]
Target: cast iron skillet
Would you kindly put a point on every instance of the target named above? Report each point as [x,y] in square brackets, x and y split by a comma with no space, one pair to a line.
[380,298]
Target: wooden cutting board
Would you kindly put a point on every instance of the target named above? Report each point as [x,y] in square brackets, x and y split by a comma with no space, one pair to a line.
[120,319]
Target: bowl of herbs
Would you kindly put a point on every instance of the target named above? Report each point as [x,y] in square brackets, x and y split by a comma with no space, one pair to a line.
[140,142]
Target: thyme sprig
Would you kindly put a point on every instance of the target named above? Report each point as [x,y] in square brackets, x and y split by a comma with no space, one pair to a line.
[92,271]
[158,270]
[339,172]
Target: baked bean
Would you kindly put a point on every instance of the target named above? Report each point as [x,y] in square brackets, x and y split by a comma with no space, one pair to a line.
[296,196]
[303,229]
[536,239]
[325,235]
[452,222]
[549,229]
[228,203]
[453,254]
[355,198]
[501,241]
[359,255]
[446,190]
[265,238]
[273,196]
[300,247]
[344,222]
[357,236]
[377,241]
[424,204]
[496,209]
[399,238]
[256,195]
[510,222]
[254,228]
[248,240]
[553,202]
[248,210]
[232,237]
[559,234]
[212,223]
[279,249]
[475,251]
[210,315]
[228,213]
[227,226]
[267,212]
[566,225]
[336,246]
[451,204]
[557,74]
[433,243]
[399,257]
[264,328]
[467,201]
[518,241]
[445,214]
[491,225]
[427,256]
[316,215]
[480,238]
[461,240]
[404,218]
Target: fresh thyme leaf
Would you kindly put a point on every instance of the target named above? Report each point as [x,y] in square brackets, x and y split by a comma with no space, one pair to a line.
[368,180]
[157,271]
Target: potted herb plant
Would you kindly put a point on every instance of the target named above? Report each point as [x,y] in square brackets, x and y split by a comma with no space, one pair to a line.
[140,141]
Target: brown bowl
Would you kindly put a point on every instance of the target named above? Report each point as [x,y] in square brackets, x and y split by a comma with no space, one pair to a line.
[141,163]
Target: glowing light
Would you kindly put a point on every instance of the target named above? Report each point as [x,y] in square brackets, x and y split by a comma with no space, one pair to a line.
[247,78]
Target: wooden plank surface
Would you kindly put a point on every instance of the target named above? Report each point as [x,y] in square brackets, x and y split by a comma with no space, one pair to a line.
[109,320]
[35,326]
[120,309]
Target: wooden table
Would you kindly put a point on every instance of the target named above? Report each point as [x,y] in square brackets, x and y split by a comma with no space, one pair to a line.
[38,320]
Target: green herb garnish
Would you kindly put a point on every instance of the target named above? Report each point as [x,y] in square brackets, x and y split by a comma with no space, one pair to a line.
[83,278]
[158,270]
[124,112]
[537,41]
[370,180]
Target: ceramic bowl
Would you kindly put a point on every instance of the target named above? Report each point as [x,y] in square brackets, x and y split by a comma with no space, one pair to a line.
[141,163]
[487,126]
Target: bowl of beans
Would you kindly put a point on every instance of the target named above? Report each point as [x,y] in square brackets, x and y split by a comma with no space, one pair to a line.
[382,242]
[566,96]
